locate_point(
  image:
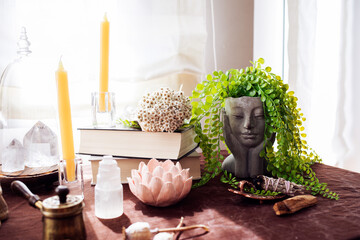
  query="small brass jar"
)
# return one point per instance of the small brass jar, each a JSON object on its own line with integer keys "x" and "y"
{"x": 62, "y": 216}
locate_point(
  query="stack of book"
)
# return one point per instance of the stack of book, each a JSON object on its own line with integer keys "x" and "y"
{"x": 192, "y": 161}
{"x": 131, "y": 146}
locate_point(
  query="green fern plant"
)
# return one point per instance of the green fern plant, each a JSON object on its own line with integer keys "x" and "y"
{"x": 291, "y": 159}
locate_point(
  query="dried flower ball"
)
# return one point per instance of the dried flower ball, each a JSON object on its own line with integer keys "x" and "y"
{"x": 163, "y": 111}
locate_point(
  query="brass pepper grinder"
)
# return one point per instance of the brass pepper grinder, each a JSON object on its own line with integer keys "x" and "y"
{"x": 62, "y": 214}
{"x": 4, "y": 213}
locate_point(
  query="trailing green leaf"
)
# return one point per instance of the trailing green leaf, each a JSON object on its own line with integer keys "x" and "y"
{"x": 292, "y": 158}
{"x": 229, "y": 179}
{"x": 261, "y": 192}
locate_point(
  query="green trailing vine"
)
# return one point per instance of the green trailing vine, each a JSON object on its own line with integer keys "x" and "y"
{"x": 291, "y": 159}
{"x": 228, "y": 178}
{"x": 262, "y": 192}
{"x": 233, "y": 182}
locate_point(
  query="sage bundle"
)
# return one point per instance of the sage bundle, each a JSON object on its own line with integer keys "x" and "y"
{"x": 278, "y": 185}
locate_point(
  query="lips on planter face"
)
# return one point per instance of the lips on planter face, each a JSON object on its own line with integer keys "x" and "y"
{"x": 247, "y": 121}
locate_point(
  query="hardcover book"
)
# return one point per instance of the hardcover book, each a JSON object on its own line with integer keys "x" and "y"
{"x": 191, "y": 161}
{"x": 134, "y": 143}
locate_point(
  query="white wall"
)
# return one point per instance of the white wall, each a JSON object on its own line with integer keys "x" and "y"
{"x": 234, "y": 23}
{"x": 233, "y": 34}
{"x": 268, "y": 33}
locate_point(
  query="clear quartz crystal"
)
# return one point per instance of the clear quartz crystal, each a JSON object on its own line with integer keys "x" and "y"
{"x": 41, "y": 146}
{"x": 108, "y": 190}
{"x": 13, "y": 157}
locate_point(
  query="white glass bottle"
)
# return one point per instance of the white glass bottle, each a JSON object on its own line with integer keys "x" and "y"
{"x": 108, "y": 190}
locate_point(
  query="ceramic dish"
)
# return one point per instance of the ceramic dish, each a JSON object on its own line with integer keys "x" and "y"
{"x": 242, "y": 192}
{"x": 30, "y": 176}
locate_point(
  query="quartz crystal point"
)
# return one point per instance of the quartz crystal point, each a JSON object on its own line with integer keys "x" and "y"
{"x": 13, "y": 157}
{"x": 41, "y": 146}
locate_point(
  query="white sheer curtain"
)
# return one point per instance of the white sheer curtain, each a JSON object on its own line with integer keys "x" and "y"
{"x": 153, "y": 43}
{"x": 323, "y": 46}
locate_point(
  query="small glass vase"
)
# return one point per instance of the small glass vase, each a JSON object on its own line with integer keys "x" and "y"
{"x": 72, "y": 177}
{"x": 103, "y": 109}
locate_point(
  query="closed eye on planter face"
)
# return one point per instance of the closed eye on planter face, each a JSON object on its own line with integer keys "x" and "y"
{"x": 259, "y": 117}
{"x": 258, "y": 111}
{"x": 238, "y": 116}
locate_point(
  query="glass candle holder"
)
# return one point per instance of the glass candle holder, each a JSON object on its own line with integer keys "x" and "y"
{"x": 72, "y": 176}
{"x": 103, "y": 109}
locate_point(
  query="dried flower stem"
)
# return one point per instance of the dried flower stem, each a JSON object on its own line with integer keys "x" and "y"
{"x": 179, "y": 229}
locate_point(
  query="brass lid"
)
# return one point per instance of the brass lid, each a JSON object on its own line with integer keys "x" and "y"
{"x": 62, "y": 205}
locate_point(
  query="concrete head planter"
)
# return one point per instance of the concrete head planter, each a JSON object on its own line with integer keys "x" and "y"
{"x": 258, "y": 108}
{"x": 243, "y": 130}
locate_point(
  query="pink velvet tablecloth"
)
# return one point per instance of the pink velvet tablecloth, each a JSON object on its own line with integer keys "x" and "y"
{"x": 229, "y": 216}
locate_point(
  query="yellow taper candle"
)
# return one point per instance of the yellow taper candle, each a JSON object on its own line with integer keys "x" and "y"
{"x": 67, "y": 140}
{"x": 104, "y": 61}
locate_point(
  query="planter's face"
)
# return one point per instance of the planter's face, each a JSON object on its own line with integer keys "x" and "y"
{"x": 246, "y": 118}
